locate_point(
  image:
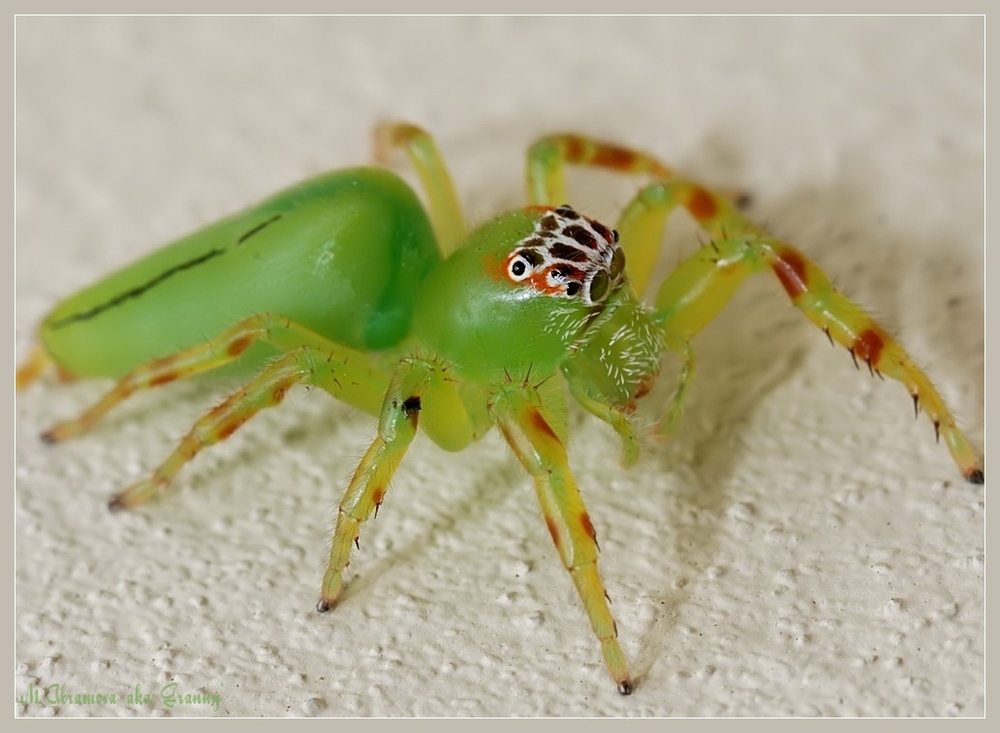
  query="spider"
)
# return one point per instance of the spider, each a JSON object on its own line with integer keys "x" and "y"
{"x": 344, "y": 282}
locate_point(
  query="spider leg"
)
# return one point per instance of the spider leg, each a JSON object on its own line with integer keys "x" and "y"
{"x": 307, "y": 358}
{"x": 33, "y": 367}
{"x": 531, "y": 428}
{"x": 366, "y": 386}
{"x": 697, "y": 290}
{"x": 613, "y": 416}
{"x": 305, "y": 364}
{"x": 641, "y": 230}
{"x": 445, "y": 211}
{"x": 548, "y": 156}
{"x": 397, "y": 425}
{"x": 668, "y": 424}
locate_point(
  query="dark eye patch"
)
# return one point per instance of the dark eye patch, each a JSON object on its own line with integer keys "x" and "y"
{"x": 617, "y": 263}
{"x": 533, "y": 257}
{"x": 567, "y": 252}
{"x": 599, "y": 286}
{"x": 601, "y": 229}
{"x": 581, "y": 235}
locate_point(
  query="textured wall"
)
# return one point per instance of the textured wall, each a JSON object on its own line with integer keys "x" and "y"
{"x": 802, "y": 546}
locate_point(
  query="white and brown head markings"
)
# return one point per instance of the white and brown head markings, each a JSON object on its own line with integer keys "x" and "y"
{"x": 569, "y": 255}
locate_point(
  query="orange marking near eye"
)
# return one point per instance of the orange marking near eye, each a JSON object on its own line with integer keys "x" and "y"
{"x": 540, "y": 282}
{"x": 610, "y": 156}
{"x": 701, "y": 204}
{"x": 791, "y": 271}
{"x": 240, "y": 345}
{"x": 869, "y": 346}
{"x": 496, "y": 268}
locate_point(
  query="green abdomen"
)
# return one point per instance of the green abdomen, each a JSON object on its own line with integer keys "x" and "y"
{"x": 343, "y": 254}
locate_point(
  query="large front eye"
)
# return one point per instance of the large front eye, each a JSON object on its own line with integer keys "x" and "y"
{"x": 519, "y": 268}
{"x": 599, "y": 285}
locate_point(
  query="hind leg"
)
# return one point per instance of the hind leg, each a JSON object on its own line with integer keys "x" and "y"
{"x": 445, "y": 211}
{"x": 306, "y": 364}
{"x": 280, "y": 332}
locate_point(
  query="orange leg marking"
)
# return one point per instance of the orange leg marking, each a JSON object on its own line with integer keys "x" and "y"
{"x": 701, "y": 204}
{"x": 240, "y": 344}
{"x": 791, "y": 271}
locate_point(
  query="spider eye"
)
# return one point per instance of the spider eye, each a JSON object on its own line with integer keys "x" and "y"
{"x": 599, "y": 285}
{"x": 617, "y": 263}
{"x": 518, "y": 268}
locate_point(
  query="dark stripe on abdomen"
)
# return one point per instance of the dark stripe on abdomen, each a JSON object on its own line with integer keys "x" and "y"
{"x": 134, "y": 292}
{"x": 257, "y": 228}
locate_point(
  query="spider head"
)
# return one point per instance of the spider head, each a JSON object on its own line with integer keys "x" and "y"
{"x": 525, "y": 289}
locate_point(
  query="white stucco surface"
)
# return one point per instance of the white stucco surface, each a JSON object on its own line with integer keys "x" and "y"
{"x": 802, "y": 547}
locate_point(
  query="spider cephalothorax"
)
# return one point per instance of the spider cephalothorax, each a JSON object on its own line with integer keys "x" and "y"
{"x": 569, "y": 255}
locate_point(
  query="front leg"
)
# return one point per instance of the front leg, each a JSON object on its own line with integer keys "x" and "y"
{"x": 531, "y": 430}
{"x": 701, "y": 286}
{"x": 616, "y": 417}
{"x": 397, "y": 425}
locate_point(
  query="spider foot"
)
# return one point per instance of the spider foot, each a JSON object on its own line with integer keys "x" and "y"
{"x": 61, "y": 431}
{"x": 136, "y": 494}
{"x": 329, "y": 593}
{"x": 323, "y": 605}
